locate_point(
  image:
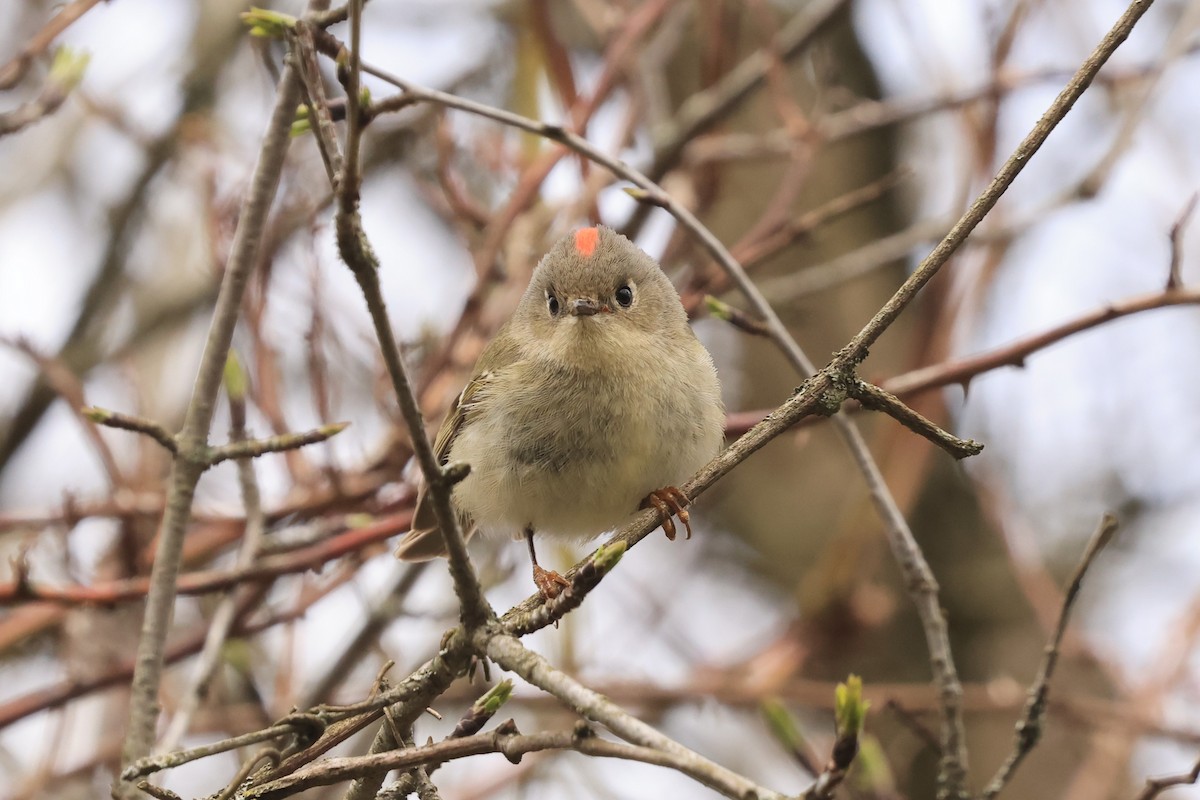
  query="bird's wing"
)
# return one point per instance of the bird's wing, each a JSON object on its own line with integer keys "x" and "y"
{"x": 459, "y": 411}
{"x": 424, "y": 540}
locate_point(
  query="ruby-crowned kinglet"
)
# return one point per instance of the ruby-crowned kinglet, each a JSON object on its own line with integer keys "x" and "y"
{"x": 594, "y": 398}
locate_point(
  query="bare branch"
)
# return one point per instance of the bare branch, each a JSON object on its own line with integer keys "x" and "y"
{"x": 358, "y": 255}
{"x": 877, "y": 399}
{"x": 15, "y": 69}
{"x": 1174, "y": 279}
{"x": 129, "y": 422}
{"x": 225, "y": 614}
{"x": 65, "y": 74}
{"x": 1014, "y": 355}
{"x": 192, "y": 440}
{"x": 856, "y": 350}
{"x": 253, "y": 448}
{"x": 208, "y": 581}
{"x": 505, "y": 740}
{"x": 508, "y": 652}
{"x": 1029, "y": 728}
{"x": 1156, "y": 786}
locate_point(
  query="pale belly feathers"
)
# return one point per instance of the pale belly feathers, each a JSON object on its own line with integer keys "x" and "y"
{"x": 571, "y": 455}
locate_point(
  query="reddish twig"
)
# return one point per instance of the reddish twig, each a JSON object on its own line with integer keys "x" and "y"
{"x": 964, "y": 370}
{"x": 207, "y": 581}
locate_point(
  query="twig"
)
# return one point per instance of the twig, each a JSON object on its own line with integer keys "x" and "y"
{"x": 210, "y": 457}
{"x": 381, "y": 615}
{"x": 407, "y": 701}
{"x": 1174, "y": 278}
{"x": 252, "y": 448}
{"x": 964, "y": 370}
{"x": 307, "y": 725}
{"x": 62, "y": 380}
{"x": 702, "y": 109}
{"x": 1029, "y": 728}
{"x": 19, "y": 64}
{"x": 755, "y": 252}
{"x": 472, "y": 722}
{"x": 65, "y": 74}
{"x": 159, "y": 792}
{"x": 923, "y": 590}
{"x": 64, "y": 691}
{"x": 1156, "y": 786}
{"x": 861, "y": 261}
{"x": 909, "y": 720}
{"x": 129, "y": 422}
{"x": 877, "y": 399}
{"x": 83, "y": 348}
{"x": 270, "y": 755}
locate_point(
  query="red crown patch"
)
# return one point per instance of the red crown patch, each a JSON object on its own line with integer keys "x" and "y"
{"x": 586, "y": 240}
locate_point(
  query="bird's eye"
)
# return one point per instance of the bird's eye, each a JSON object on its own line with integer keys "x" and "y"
{"x": 624, "y": 297}
{"x": 552, "y": 304}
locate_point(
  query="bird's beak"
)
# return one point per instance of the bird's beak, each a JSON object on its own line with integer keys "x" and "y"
{"x": 585, "y": 307}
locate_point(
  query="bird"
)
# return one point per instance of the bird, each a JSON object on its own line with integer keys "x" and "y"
{"x": 594, "y": 400}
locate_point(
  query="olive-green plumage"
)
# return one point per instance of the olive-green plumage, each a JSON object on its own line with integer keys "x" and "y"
{"x": 595, "y": 394}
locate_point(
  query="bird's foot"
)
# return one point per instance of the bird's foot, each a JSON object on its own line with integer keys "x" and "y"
{"x": 669, "y": 501}
{"x": 549, "y": 582}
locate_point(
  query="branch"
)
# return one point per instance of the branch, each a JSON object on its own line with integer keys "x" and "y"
{"x": 877, "y": 399}
{"x": 1156, "y": 786}
{"x": 405, "y": 702}
{"x": 143, "y": 709}
{"x": 1029, "y": 728}
{"x": 130, "y": 422}
{"x": 856, "y": 350}
{"x": 582, "y": 579}
{"x": 64, "y": 691}
{"x": 510, "y": 654}
{"x": 223, "y": 617}
{"x": 15, "y": 69}
{"x": 701, "y": 110}
{"x": 252, "y": 448}
{"x": 207, "y": 581}
{"x": 1014, "y": 355}
{"x": 506, "y": 739}
{"x": 306, "y": 726}
{"x": 65, "y": 74}
{"x": 358, "y": 255}
{"x": 964, "y": 370}
{"x": 1174, "y": 276}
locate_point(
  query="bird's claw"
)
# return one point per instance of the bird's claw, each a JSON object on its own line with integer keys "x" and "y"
{"x": 549, "y": 582}
{"x": 669, "y": 501}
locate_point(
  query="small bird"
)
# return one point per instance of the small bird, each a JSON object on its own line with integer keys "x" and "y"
{"x": 595, "y": 399}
